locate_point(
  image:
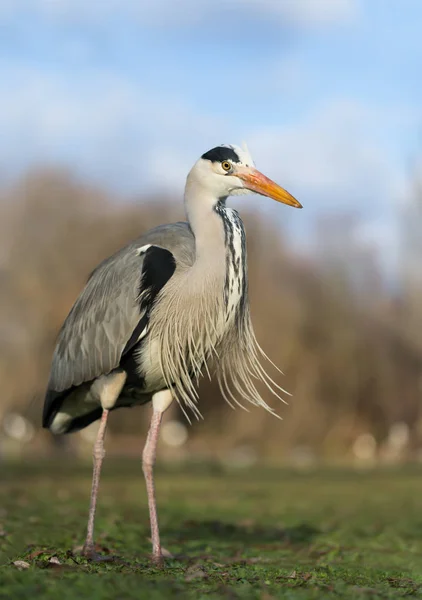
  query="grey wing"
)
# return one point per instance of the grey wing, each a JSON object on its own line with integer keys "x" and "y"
{"x": 108, "y": 316}
{"x": 100, "y": 323}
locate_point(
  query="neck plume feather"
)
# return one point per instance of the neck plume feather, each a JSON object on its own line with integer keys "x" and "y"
{"x": 212, "y": 333}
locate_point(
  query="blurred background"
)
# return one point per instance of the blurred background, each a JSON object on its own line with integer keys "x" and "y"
{"x": 105, "y": 106}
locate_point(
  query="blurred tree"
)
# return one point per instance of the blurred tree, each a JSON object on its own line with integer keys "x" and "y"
{"x": 349, "y": 346}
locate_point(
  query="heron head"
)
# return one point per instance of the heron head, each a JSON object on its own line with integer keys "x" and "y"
{"x": 230, "y": 170}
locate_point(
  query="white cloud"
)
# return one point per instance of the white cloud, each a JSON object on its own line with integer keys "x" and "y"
{"x": 114, "y": 131}
{"x": 335, "y": 152}
{"x": 110, "y": 127}
{"x": 335, "y": 160}
{"x": 287, "y": 75}
{"x": 169, "y": 12}
{"x": 104, "y": 126}
{"x": 311, "y": 12}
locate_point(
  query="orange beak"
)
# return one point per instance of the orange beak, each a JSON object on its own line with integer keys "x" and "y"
{"x": 257, "y": 182}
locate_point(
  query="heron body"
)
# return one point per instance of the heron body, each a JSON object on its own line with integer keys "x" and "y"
{"x": 156, "y": 315}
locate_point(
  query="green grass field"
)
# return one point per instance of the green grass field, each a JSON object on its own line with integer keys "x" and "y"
{"x": 239, "y": 534}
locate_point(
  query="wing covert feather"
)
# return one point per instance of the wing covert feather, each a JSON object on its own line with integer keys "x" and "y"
{"x": 105, "y": 319}
{"x": 93, "y": 336}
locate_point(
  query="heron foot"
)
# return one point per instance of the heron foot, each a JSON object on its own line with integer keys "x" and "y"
{"x": 157, "y": 560}
{"x": 88, "y": 551}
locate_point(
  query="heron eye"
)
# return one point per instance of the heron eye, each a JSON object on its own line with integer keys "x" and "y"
{"x": 226, "y": 165}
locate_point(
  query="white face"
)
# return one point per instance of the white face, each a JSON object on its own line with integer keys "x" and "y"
{"x": 230, "y": 170}
{"x": 219, "y": 173}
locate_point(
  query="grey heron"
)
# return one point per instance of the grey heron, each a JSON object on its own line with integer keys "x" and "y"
{"x": 158, "y": 313}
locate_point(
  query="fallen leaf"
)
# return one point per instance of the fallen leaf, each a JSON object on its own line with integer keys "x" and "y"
{"x": 35, "y": 553}
{"x": 21, "y": 564}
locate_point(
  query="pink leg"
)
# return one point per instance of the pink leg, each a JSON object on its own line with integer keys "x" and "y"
{"x": 99, "y": 453}
{"x": 148, "y": 460}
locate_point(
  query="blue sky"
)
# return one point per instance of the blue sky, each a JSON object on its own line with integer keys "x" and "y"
{"x": 129, "y": 93}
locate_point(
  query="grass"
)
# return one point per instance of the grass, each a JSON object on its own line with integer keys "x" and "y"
{"x": 260, "y": 534}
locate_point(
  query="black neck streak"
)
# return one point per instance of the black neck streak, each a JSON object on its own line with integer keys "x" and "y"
{"x": 235, "y": 286}
{"x": 221, "y": 205}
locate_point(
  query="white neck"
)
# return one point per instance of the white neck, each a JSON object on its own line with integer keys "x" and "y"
{"x": 219, "y": 244}
{"x": 206, "y": 224}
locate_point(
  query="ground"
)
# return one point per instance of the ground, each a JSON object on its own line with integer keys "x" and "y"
{"x": 258, "y": 534}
